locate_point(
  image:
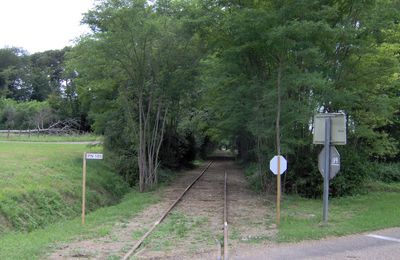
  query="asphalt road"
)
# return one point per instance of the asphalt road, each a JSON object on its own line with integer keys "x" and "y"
{"x": 382, "y": 244}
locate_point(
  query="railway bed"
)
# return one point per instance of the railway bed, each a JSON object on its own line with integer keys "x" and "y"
{"x": 204, "y": 185}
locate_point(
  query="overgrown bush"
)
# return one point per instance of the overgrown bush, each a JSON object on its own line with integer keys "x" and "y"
{"x": 386, "y": 172}
{"x": 354, "y": 171}
{"x": 253, "y": 177}
{"x": 303, "y": 176}
{"x": 120, "y": 149}
{"x": 178, "y": 150}
{"x": 206, "y": 147}
{"x": 25, "y": 115}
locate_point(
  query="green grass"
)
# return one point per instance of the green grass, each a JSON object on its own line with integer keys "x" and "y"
{"x": 175, "y": 228}
{"x": 380, "y": 186}
{"x": 198, "y": 162}
{"x": 41, "y": 184}
{"x": 302, "y": 218}
{"x": 49, "y": 138}
{"x": 34, "y": 245}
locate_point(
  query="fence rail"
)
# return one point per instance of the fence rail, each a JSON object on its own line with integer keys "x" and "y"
{"x": 44, "y": 131}
{"x": 23, "y": 131}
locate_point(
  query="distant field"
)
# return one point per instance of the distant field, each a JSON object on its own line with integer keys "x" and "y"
{"x": 49, "y": 138}
{"x": 41, "y": 184}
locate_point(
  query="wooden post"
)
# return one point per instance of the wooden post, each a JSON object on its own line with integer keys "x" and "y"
{"x": 278, "y": 143}
{"x": 278, "y": 193}
{"x": 84, "y": 188}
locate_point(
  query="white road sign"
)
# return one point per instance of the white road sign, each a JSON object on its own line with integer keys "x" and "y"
{"x": 338, "y": 128}
{"x": 273, "y": 164}
{"x": 334, "y": 159}
{"x": 94, "y": 156}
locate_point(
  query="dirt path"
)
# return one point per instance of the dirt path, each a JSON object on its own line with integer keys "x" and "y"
{"x": 193, "y": 227}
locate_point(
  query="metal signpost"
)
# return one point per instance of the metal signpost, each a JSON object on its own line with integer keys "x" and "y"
{"x": 278, "y": 165}
{"x": 333, "y": 127}
{"x": 327, "y": 147}
{"x": 87, "y": 156}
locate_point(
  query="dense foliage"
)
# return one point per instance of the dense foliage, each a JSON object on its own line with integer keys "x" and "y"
{"x": 166, "y": 80}
{"x": 36, "y": 90}
{"x": 326, "y": 56}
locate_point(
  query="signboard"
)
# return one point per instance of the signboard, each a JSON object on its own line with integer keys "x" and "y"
{"x": 273, "y": 164}
{"x": 94, "y": 156}
{"x": 334, "y": 162}
{"x": 87, "y": 156}
{"x": 338, "y": 128}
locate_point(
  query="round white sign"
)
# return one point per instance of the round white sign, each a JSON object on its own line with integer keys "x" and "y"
{"x": 273, "y": 164}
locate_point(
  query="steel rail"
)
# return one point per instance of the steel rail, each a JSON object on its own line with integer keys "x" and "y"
{"x": 140, "y": 242}
{"x": 225, "y": 220}
{"x": 219, "y": 256}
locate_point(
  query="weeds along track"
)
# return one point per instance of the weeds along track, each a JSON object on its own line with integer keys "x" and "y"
{"x": 207, "y": 192}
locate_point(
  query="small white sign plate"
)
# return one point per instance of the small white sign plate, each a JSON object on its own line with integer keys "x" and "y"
{"x": 338, "y": 128}
{"x": 94, "y": 156}
{"x": 273, "y": 164}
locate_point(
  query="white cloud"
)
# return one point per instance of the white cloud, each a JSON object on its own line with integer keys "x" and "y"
{"x": 39, "y": 25}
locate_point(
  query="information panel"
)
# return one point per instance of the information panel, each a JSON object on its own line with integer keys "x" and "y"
{"x": 338, "y": 128}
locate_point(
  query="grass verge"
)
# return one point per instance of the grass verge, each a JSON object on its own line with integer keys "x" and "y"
{"x": 36, "y": 244}
{"x": 41, "y": 184}
{"x": 302, "y": 218}
{"x": 177, "y": 228}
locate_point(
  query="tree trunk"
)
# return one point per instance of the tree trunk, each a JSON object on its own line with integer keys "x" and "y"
{"x": 151, "y": 134}
{"x": 278, "y": 109}
{"x": 141, "y": 157}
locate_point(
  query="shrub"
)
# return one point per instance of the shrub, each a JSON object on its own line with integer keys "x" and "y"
{"x": 253, "y": 176}
{"x": 386, "y": 172}
{"x": 304, "y": 178}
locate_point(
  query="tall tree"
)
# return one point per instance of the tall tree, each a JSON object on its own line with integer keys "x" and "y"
{"x": 144, "y": 53}
{"x": 325, "y": 57}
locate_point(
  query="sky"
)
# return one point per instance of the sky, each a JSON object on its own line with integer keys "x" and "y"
{"x": 40, "y": 25}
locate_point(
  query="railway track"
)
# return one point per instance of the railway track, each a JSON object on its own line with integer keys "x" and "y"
{"x": 202, "y": 183}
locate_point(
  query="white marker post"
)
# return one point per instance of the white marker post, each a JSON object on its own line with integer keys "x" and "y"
{"x": 87, "y": 156}
{"x": 84, "y": 188}
{"x": 278, "y": 194}
{"x": 278, "y": 166}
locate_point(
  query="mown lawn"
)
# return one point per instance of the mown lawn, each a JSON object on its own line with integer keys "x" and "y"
{"x": 302, "y": 218}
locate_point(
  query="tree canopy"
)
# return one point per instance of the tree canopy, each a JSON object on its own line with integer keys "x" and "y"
{"x": 167, "y": 79}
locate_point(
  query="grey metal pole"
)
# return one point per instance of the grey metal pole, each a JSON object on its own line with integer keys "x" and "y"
{"x": 327, "y": 147}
